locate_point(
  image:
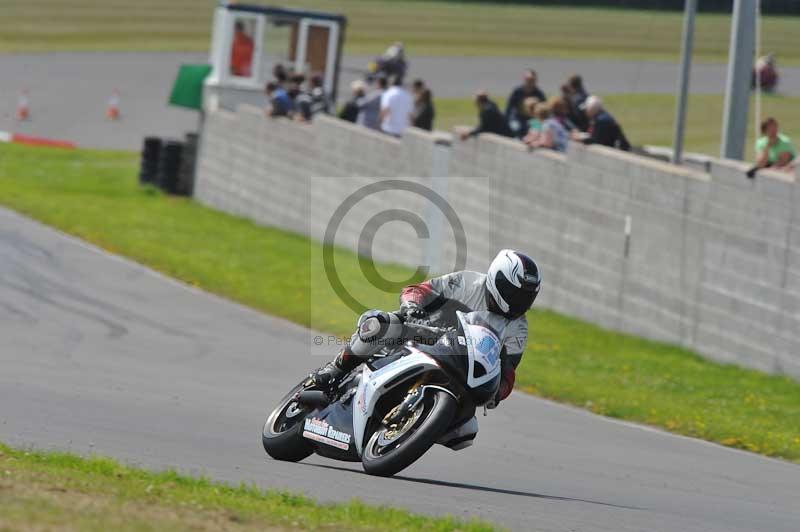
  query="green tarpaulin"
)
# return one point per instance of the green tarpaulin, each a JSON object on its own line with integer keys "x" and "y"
{"x": 188, "y": 88}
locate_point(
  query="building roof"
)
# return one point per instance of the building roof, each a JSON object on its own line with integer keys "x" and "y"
{"x": 285, "y": 12}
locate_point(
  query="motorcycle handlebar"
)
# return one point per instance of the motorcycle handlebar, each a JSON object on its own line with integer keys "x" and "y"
{"x": 424, "y": 327}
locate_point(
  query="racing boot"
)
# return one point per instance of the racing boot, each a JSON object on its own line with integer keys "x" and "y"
{"x": 329, "y": 375}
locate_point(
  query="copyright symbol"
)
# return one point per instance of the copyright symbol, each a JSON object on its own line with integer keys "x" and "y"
{"x": 371, "y": 227}
{"x": 318, "y": 340}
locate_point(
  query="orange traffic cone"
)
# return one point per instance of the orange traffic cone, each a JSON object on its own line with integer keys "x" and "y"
{"x": 112, "y": 111}
{"x": 23, "y": 106}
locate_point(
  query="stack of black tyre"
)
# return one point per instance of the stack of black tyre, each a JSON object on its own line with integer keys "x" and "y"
{"x": 186, "y": 174}
{"x": 151, "y": 154}
{"x": 169, "y": 164}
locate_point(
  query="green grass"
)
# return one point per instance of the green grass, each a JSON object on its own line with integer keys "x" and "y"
{"x": 428, "y": 28}
{"x": 48, "y": 491}
{"x": 94, "y": 195}
{"x": 649, "y": 118}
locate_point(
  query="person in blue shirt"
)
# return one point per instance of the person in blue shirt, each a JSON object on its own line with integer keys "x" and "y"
{"x": 279, "y": 102}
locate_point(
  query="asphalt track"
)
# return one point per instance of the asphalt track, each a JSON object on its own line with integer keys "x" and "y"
{"x": 101, "y": 355}
{"x": 69, "y": 91}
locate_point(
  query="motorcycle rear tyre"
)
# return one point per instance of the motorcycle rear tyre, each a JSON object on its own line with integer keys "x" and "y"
{"x": 288, "y": 445}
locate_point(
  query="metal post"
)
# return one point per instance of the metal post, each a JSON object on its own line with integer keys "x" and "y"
{"x": 683, "y": 82}
{"x": 740, "y": 71}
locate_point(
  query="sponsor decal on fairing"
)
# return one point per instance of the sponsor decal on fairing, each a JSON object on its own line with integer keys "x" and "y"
{"x": 320, "y": 431}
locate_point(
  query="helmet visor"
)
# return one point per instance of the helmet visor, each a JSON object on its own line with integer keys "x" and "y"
{"x": 519, "y": 299}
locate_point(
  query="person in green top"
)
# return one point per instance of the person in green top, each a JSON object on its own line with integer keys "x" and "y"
{"x": 774, "y": 149}
{"x": 530, "y": 103}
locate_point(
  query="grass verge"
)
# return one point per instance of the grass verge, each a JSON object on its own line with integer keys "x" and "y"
{"x": 649, "y": 118}
{"x": 94, "y": 195}
{"x": 427, "y": 28}
{"x": 50, "y": 491}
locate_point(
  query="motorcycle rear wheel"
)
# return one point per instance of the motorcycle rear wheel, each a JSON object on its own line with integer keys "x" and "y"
{"x": 282, "y": 436}
{"x": 388, "y": 452}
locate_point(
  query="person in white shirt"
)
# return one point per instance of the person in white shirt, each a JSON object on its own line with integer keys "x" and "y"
{"x": 396, "y": 108}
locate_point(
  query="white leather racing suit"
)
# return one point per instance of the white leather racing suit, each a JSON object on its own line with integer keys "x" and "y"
{"x": 465, "y": 289}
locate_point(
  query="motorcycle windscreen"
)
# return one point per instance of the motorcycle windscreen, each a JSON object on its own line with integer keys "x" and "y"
{"x": 483, "y": 352}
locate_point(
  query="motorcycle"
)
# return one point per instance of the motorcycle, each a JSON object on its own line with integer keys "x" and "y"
{"x": 392, "y": 64}
{"x": 392, "y": 409}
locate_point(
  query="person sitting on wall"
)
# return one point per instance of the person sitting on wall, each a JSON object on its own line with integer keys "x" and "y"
{"x": 534, "y": 122}
{"x": 241, "y": 51}
{"x": 490, "y": 119}
{"x": 540, "y": 112}
{"x": 278, "y": 101}
{"x": 554, "y": 135}
{"x": 295, "y": 87}
{"x": 773, "y": 148}
{"x": 603, "y": 128}
{"x": 308, "y": 104}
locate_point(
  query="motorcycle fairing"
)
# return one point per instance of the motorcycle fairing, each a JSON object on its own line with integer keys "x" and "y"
{"x": 483, "y": 349}
{"x": 374, "y": 384}
{"x": 330, "y": 442}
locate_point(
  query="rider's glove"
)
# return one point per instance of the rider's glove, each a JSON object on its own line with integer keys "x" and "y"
{"x": 412, "y": 310}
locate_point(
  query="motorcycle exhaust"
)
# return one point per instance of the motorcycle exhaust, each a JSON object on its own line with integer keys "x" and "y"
{"x": 313, "y": 398}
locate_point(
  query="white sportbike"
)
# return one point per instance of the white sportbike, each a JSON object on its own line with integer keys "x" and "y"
{"x": 389, "y": 411}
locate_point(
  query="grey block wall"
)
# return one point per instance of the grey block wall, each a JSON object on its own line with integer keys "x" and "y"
{"x": 711, "y": 262}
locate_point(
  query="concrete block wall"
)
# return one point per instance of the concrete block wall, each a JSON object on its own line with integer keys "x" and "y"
{"x": 710, "y": 261}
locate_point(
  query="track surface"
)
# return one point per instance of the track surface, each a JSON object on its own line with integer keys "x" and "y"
{"x": 69, "y": 91}
{"x": 102, "y": 355}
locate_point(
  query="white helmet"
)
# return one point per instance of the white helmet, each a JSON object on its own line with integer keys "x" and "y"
{"x": 512, "y": 284}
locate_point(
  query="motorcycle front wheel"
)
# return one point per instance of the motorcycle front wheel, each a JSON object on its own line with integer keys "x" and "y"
{"x": 282, "y": 436}
{"x": 389, "y": 450}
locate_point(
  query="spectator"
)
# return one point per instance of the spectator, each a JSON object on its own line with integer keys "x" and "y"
{"x": 554, "y": 135}
{"x": 490, "y": 119}
{"x": 349, "y": 111}
{"x": 423, "y": 113}
{"x": 603, "y": 129}
{"x": 369, "y": 106}
{"x": 540, "y": 112}
{"x": 279, "y": 103}
{"x": 577, "y": 96}
{"x": 396, "y": 108}
{"x": 320, "y": 103}
{"x": 559, "y": 109}
{"x": 241, "y": 51}
{"x": 515, "y": 113}
{"x": 301, "y": 100}
{"x": 280, "y": 75}
{"x": 773, "y": 148}
{"x": 766, "y": 72}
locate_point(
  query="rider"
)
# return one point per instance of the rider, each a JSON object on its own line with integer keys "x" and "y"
{"x": 508, "y": 290}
